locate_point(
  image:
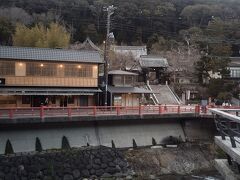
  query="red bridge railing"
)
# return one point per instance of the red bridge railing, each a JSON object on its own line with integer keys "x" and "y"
{"x": 42, "y": 112}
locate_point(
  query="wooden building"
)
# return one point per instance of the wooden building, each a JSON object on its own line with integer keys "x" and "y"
{"x": 122, "y": 89}
{"x": 153, "y": 68}
{"x": 31, "y": 77}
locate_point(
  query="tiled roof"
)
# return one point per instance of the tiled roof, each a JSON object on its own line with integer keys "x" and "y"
{"x": 120, "y": 72}
{"x": 46, "y": 54}
{"x": 46, "y": 91}
{"x": 129, "y": 47}
{"x": 153, "y": 61}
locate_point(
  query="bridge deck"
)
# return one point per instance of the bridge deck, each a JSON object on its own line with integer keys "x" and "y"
{"x": 226, "y": 146}
{"x": 223, "y": 168}
{"x": 45, "y": 112}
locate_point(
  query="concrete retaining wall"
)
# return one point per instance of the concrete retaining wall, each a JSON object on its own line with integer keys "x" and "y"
{"x": 94, "y": 133}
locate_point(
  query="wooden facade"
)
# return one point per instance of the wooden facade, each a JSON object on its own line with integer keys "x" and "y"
{"x": 126, "y": 99}
{"x": 49, "y": 74}
{"x": 123, "y": 90}
{"x": 33, "y": 77}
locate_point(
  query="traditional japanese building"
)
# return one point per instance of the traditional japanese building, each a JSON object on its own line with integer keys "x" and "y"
{"x": 153, "y": 68}
{"x": 135, "y": 51}
{"x": 123, "y": 90}
{"x": 31, "y": 77}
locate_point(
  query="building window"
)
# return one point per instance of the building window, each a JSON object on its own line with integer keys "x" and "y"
{"x": 7, "y": 68}
{"x": 128, "y": 80}
{"x": 40, "y": 69}
{"x": 118, "y": 80}
{"x": 47, "y": 69}
{"x": 78, "y": 70}
{"x": 59, "y": 70}
{"x": 26, "y": 99}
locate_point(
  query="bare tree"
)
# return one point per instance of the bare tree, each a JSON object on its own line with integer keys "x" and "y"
{"x": 122, "y": 61}
{"x": 182, "y": 60}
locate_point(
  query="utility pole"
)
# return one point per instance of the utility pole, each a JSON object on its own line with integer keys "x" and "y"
{"x": 110, "y": 11}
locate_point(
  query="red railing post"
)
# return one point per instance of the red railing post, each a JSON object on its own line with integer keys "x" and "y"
{"x": 118, "y": 110}
{"x": 165, "y": 108}
{"x": 197, "y": 109}
{"x": 160, "y": 109}
{"x": 42, "y": 112}
{"x": 179, "y": 109}
{"x": 69, "y": 112}
{"x": 205, "y": 109}
{"x": 10, "y": 113}
{"x": 140, "y": 110}
{"x": 94, "y": 110}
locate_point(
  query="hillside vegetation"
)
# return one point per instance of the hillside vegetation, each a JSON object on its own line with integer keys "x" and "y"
{"x": 197, "y": 36}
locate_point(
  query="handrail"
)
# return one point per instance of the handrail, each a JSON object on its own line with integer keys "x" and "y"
{"x": 46, "y": 111}
{"x": 227, "y": 123}
{"x": 153, "y": 95}
{"x": 75, "y": 111}
{"x": 177, "y": 99}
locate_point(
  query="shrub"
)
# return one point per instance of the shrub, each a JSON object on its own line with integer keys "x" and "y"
{"x": 134, "y": 144}
{"x": 113, "y": 144}
{"x": 65, "y": 143}
{"x": 154, "y": 143}
{"x": 38, "y": 145}
{"x": 9, "y": 148}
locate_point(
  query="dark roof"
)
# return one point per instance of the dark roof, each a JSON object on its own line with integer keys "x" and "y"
{"x": 47, "y": 91}
{"x": 120, "y": 72}
{"x": 47, "y": 54}
{"x": 153, "y": 61}
{"x": 134, "y": 90}
{"x": 88, "y": 44}
{"x": 129, "y": 48}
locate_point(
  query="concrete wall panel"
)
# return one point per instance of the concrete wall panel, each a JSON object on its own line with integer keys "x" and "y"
{"x": 94, "y": 134}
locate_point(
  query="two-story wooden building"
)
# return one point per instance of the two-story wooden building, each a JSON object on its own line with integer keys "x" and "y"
{"x": 31, "y": 77}
{"x": 122, "y": 89}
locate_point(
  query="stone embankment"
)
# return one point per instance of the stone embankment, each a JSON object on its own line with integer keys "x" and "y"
{"x": 74, "y": 164}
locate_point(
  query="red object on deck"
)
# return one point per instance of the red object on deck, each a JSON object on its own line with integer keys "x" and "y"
{"x": 160, "y": 109}
{"x": 118, "y": 110}
{"x": 42, "y": 112}
{"x": 179, "y": 110}
{"x": 140, "y": 110}
{"x": 10, "y": 113}
{"x": 94, "y": 110}
{"x": 69, "y": 112}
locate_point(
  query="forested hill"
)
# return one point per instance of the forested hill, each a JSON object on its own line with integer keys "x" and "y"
{"x": 134, "y": 22}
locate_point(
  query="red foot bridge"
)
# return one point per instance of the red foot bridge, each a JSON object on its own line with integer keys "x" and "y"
{"x": 100, "y": 111}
